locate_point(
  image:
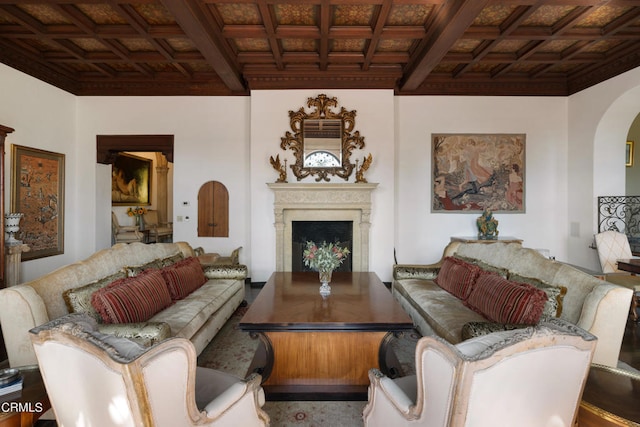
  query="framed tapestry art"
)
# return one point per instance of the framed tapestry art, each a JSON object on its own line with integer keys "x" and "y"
{"x": 474, "y": 172}
{"x": 37, "y": 191}
{"x": 131, "y": 180}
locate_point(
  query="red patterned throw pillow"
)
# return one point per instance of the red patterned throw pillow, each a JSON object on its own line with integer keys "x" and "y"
{"x": 132, "y": 299}
{"x": 183, "y": 277}
{"x": 504, "y": 301}
{"x": 457, "y": 277}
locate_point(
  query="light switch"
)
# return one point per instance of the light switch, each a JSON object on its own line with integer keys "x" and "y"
{"x": 574, "y": 229}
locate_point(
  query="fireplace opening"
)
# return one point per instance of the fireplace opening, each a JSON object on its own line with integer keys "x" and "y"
{"x": 340, "y": 232}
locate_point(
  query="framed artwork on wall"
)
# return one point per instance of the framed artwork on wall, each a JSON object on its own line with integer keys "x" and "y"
{"x": 37, "y": 191}
{"x": 629, "y": 154}
{"x": 474, "y": 172}
{"x": 131, "y": 180}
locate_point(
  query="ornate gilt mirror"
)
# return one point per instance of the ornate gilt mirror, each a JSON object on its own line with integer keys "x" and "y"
{"x": 322, "y": 140}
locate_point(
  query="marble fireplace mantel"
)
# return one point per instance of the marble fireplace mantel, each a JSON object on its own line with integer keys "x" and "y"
{"x": 322, "y": 202}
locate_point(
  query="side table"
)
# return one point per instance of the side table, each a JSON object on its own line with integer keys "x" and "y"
{"x": 610, "y": 398}
{"x": 208, "y": 259}
{"x": 145, "y": 236}
{"x": 23, "y": 408}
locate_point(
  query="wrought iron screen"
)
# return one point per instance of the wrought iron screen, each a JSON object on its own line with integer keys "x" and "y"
{"x": 621, "y": 213}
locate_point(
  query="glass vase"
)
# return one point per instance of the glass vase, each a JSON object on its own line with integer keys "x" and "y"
{"x": 325, "y": 278}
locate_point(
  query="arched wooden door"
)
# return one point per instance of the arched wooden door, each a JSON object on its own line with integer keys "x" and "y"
{"x": 213, "y": 210}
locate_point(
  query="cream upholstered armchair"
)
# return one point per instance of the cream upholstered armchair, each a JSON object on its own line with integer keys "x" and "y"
{"x": 99, "y": 379}
{"x": 158, "y": 231}
{"x": 612, "y": 246}
{"x": 124, "y": 234}
{"x": 532, "y": 377}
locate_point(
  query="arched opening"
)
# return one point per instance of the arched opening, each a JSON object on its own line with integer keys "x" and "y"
{"x": 632, "y": 169}
{"x": 616, "y": 208}
{"x": 609, "y": 170}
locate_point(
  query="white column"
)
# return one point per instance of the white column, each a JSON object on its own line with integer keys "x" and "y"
{"x": 162, "y": 171}
{"x": 13, "y": 258}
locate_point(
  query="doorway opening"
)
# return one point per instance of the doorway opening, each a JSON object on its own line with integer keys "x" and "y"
{"x": 157, "y": 150}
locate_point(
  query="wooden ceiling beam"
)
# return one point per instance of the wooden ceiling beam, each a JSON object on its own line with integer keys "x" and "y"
{"x": 613, "y": 27}
{"x": 325, "y": 25}
{"x": 86, "y": 25}
{"x": 454, "y": 17}
{"x": 564, "y": 24}
{"x": 59, "y": 42}
{"x": 190, "y": 18}
{"x": 378, "y": 28}
{"x": 626, "y": 49}
{"x": 270, "y": 33}
{"x": 511, "y": 23}
{"x": 142, "y": 29}
{"x": 250, "y": 31}
{"x": 46, "y": 71}
{"x": 620, "y": 60}
{"x": 24, "y": 19}
{"x": 564, "y": 57}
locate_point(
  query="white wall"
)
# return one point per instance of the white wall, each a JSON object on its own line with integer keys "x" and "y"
{"x": 211, "y": 142}
{"x": 269, "y": 122}
{"x": 575, "y": 152}
{"x": 43, "y": 117}
{"x": 599, "y": 120}
{"x": 422, "y": 235}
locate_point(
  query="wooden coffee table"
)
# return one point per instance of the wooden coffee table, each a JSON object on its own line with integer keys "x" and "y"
{"x": 315, "y": 348}
{"x": 611, "y": 398}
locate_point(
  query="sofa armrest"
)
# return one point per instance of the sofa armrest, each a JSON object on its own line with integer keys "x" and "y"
{"x": 604, "y": 314}
{"x": 416, "y": 271}
{"x": 144, "y": 333}
{"x": 21, "y": 309}
{"x": 236, "y": 271}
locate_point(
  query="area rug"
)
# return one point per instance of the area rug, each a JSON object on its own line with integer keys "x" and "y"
{"x": 232, "y": 351}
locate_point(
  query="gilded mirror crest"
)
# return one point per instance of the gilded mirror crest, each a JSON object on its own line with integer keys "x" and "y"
{"x": 322, "y": 140}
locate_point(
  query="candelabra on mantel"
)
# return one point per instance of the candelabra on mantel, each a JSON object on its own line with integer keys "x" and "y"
{"x": 14, "y": 248}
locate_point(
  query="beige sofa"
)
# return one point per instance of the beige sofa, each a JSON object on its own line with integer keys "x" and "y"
{"x": 197, "y": 317}
{"x": 594, "y": 305}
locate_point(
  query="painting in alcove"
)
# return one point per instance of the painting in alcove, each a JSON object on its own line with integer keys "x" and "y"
{"x": 474, "y": 172}
{"x": 131, "y": 180}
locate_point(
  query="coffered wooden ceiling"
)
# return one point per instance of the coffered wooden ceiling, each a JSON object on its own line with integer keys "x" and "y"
{"x": 225, "y": 47}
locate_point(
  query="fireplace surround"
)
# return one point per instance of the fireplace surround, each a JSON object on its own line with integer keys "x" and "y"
{"x": 322, "y": 202}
